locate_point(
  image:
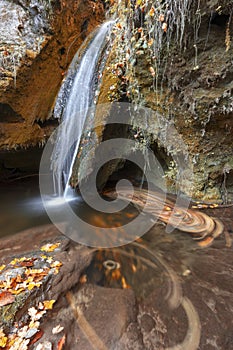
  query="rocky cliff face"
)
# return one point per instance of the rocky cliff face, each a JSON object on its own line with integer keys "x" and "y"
{"x": 176, "y": 59}
{"x": 196, "y": 94}
{"x": 38, "y": 40}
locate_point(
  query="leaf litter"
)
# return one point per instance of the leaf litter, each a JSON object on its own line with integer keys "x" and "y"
{"x": 21, "y": 276}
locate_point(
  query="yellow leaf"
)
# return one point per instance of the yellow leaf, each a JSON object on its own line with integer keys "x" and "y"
{"x": 139, "y": 2}
{"x": 3, "y": 341}
{"x": 13, "y": 262}
{"x": 2, "y": 267}
{"x": 48, "y": 304}
{"x": 33, "y": 271}
{"x": 23, "y": 259}
{"x": 17, "y": 291}
{"x": 31, "y": 286}
{"x": 56, "y": 264}
{"x": 152, "y": 11}
{"x": 49, "y": 247}
{"x": 34, "y": 324}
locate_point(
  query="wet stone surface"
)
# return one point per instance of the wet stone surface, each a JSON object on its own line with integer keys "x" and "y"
{"x": 164, "y": 292}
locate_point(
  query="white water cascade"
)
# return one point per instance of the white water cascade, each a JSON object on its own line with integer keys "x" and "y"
{"x": 79, "y": 100}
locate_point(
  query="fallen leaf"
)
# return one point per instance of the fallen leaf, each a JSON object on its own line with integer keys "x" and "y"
{"x": 34, "y": 324}
{"x": 3, "y": 339}
{"x": 40, "y": 306}
{"x": 83, "y": 279}
{"x": 33, "y": 271}
{"x": 151, "y": 69}
{"x": 152, "y": 11}
{"x": 164, "y": 27}
{"x": 6, "y": 298}
{"x": 36, "y": 337}
{"x": 3, "y": 342}
{"x": 124, "y": 284}
{"x": 44, "y": 346}
{"x": 30, "y": 333}
{"x": 61, "y": 343}
{"x": 139, "y": 2}
{"x": 2, "y": 267}
{"x": 57, "y": 329}
{"x": 17, "y": 291}
{"x": 161, "y": 17}
{"x": 27, "y": 263}
{"x": 13, "y": 262}
{"x": 2, "y": 334}
{"x": 150, "y": 42}
{"x": 32, "y": 312}
{"x": 22, "y": 332}
{"x": 33, "y": 285}
{"x": 119, "y": 26}
{"x": 48, "y": 304}
{"x": 44, "y": 257}
{"x": 11, "y": 340}
{"x": 49, "y": 247}
{"x": 116, "y": 275}
{"x": 56, "y": 264}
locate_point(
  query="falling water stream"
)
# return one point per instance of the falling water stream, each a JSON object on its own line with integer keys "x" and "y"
{"x": 79, "y": 101}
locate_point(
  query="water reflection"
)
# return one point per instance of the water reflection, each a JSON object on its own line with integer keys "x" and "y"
{"x": 184, "y": 293}
{"x": 20, "y": 206}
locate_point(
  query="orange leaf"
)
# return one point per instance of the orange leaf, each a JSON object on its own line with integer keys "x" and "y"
{"x": 161, "y": 17}
{"x": 150, "y": 42}
{"x": 6, "y": 298}
{"x": 28, "y": 263}
{"x": 61, "y": 343}
{"x": 37, "y": 336}
{"x": 83, "y": 279}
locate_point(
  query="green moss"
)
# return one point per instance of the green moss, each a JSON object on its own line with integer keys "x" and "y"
{"x": 8, "y": 312}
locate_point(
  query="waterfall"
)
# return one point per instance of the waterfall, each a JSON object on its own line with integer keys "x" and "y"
{"x": 80, "y": 98}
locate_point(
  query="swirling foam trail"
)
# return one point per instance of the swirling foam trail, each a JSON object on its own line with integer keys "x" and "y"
{"x": 201, "y": 226}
